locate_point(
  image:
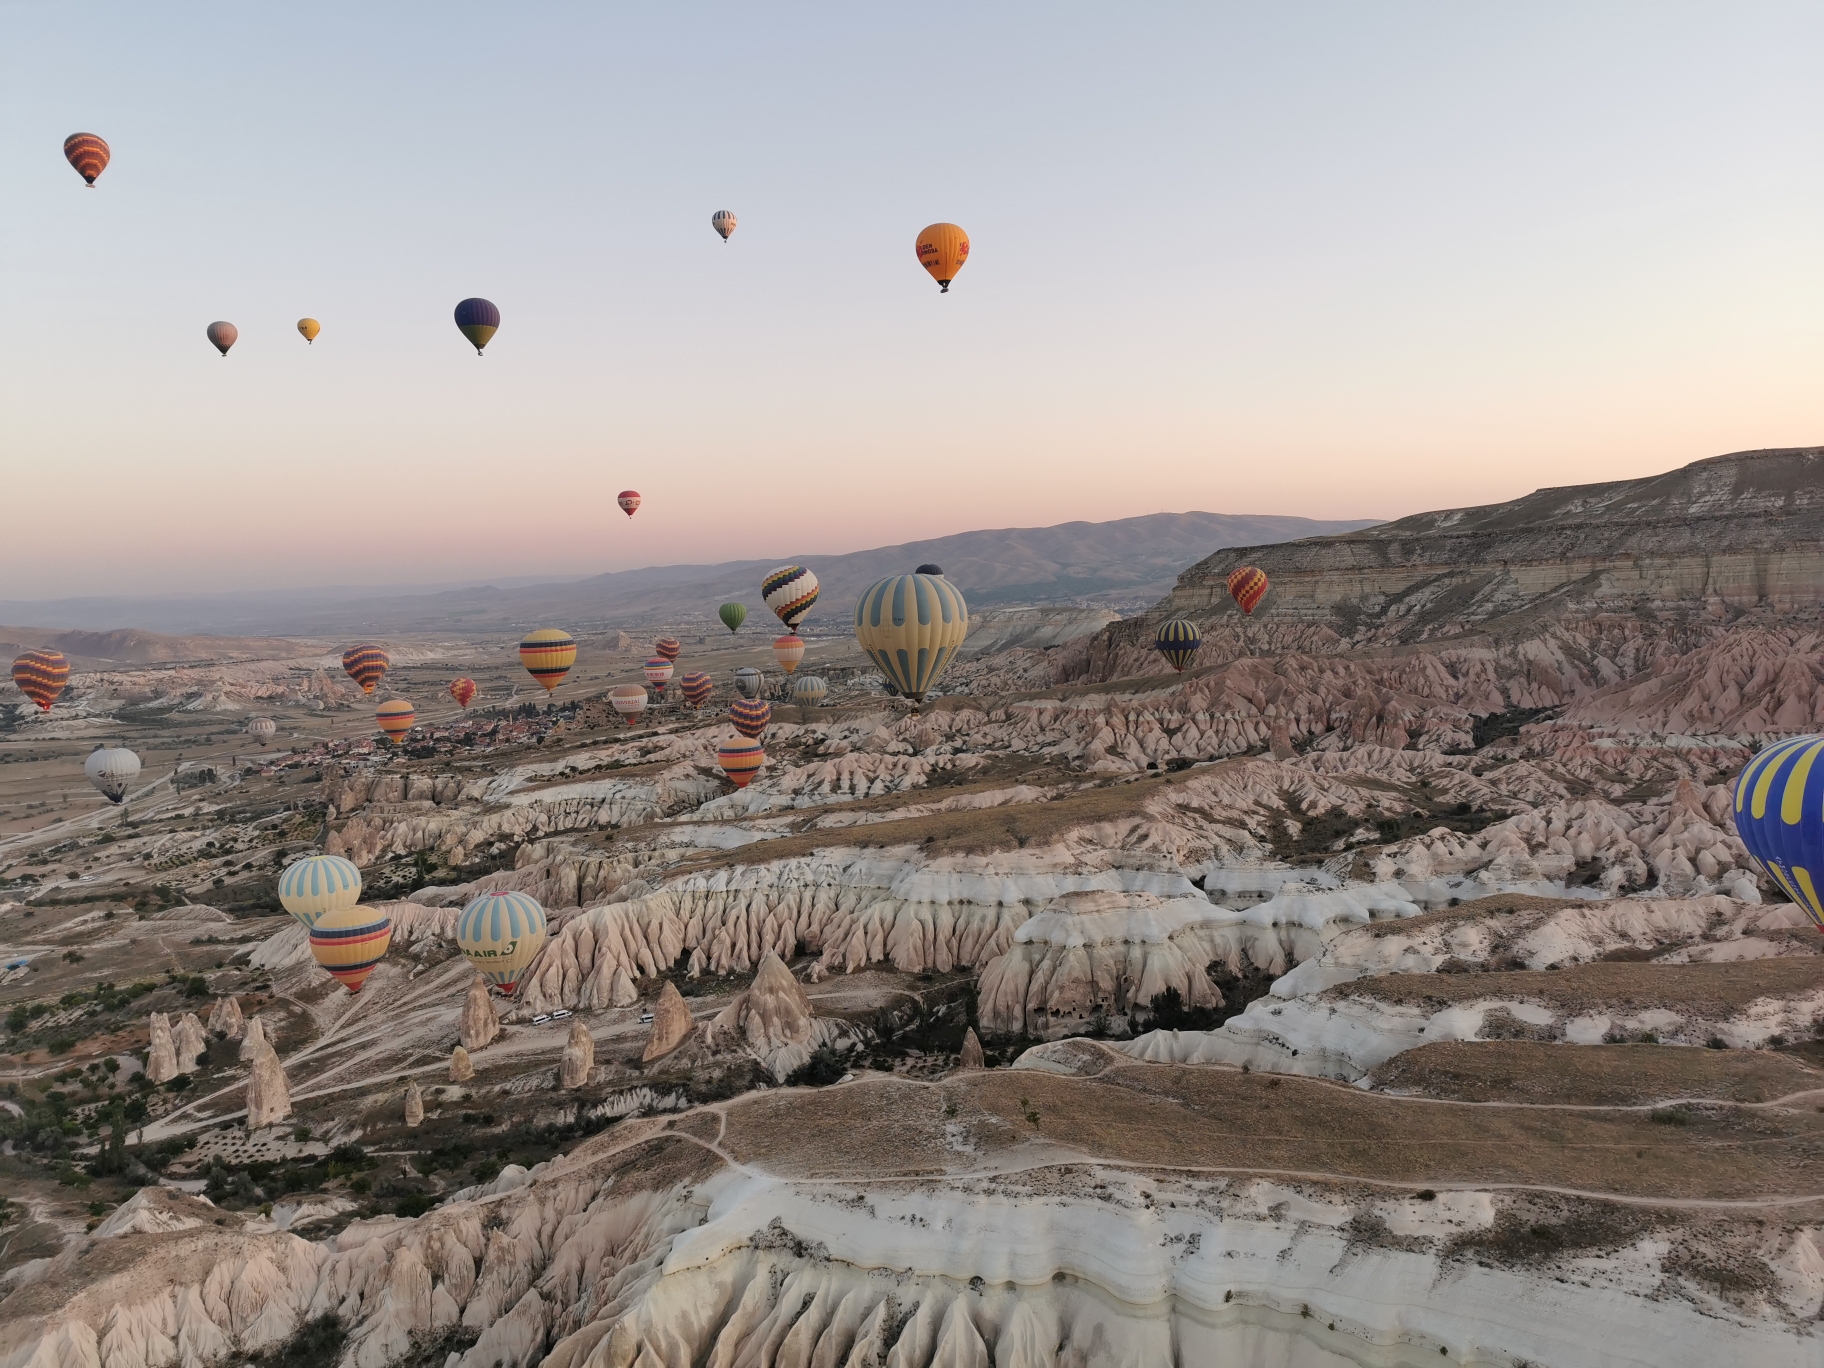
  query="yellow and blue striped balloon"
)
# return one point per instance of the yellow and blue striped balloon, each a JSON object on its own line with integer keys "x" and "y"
{"x": 1779, "y": 814}
{"x": 350, "y": 942}
{"x": 316, "y": 885}
{"x": 501, "y": 934}
{"x": 911, "y": 626}
{"x": 1178, "y": 640}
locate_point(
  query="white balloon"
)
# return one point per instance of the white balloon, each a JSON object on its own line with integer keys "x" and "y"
{"x": 112, "y": 770}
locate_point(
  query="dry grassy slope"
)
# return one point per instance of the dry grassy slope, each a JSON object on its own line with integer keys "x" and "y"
{"x": 1698, "y": 990}
{"x": 1593, "y": 1075}
{"x": 130, "y": 646}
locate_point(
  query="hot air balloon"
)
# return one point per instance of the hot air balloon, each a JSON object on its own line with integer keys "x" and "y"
{"x": 790, "y": 591}
{"x": 809, "y": 691}
{"x": 750, "y": 716}
{"x": 657, "y": 671}
{"x": 262, "y": 729}
{"x": 629, "y": 700}
{"x": 749, "y": 682}
{"x": 222, "y": 335}
{"x": 740, "y": 760}
{"x": 732, "y": 615}
{"x": 1247, "y": 586}
{"x": 310, "y": 328}
{"x": 1177, "y": 640}
{"x": 366, "y": 665}
{"x": 788, "y": 651}
{"x": 929, "y": 569}
{"x": 501, "y": 934}
{"x": 88, "y": 154}
{"x": 41, "y": 676}
{"x": 697, "y": 687}
{"x": 548, "y": 655}
{"x": 629, "y": 500}
{"x": 350, "y": 942}
{"x": 462, "y": 690}
{"x": 669, "y": 647}
{"x": 1779, "y": 814}
{"x": 477, "y": 320}
{"x": 112, "y": 770}
{"x": 942, "y": 250}
{"x": 395, "y": 717}
{"x": 723, "y": 222}
{"x": 317, "y": 885}
{"x": 912, "y": 626}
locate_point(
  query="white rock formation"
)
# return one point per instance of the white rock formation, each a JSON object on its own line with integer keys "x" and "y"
{"x": 161, "y": 1055}
{"x": 414, "y": 1105}
{"x": 225, "y": 1019}
{"x": 621, "y": 992}
{"x": 971, "y": 1057}
{"x": 773, "y": 1020}
{"x": 671, "y": 1024}
{"x": 579, "y": 1057}
{"x": 480, "y": 1022}
{"x": 189, "y": 1042}
{"x": 462, "y": 1068}
{"x": 268, "y": 1096}
{"x": 155, "y": 1211}
{"x": 253, "y": 1039}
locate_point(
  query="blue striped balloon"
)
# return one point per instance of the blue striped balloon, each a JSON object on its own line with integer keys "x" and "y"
{"x": 1779, "y": 814}
{"x": 317, "y": 885}
{"x": 501, "y": 934}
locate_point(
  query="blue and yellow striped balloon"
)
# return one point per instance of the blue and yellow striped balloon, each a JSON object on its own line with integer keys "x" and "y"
{"x": 1779, "y": 814}
{"x": 501, "y": 934}
{"x": 1178, "y": 640}
{"x": 316, "y": 885}
{"x": 911, "y": 626}
{"x": 350, "y": 942}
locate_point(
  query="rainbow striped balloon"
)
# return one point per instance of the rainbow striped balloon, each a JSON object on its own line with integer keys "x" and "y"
{"x": 548, "y": 655}
{"x": 366, "y": 665}
{"x": 349, "y": 943}
{"x": 790, "y": 591}
{"x": 750, "y": 716}
{"x": 697, "y": 687}
{"x": 1247, "y": 586}
{"x": 669, "y": 647}
{"x": 1178, "y": 640}
{"x": 41, "y": 676}
{"x": 317, "y": 885}
{"x": 88, "y": 154}
{"x": 501, "y": 934}
{"x": 657, "y": 671}
{"x": 1779, "y": 814}
{"x": 396, "y": 717}
{"x": 741, "y": 761}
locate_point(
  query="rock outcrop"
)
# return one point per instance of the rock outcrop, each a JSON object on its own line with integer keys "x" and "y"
{"x": 190, "y": 1042}
{"x": 971, "y": 1056}
{"x": 225, "y": 1019}
{"x": 253, "y": 1039}
{"x": 462, "y": 1068}
{"x": 480, "y": 1022}
{"x": 579, "y": 1057}
{"x": 773, "y": 1020}
{"x": 161, "y": 1055}
{"x": 671, "y": 1024}
{"x": 268, "y": 1095}
{"x": 414, "y": 1105}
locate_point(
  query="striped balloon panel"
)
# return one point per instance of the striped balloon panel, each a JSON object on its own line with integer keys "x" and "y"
{"x": 1247, "y": 586}
{"x": 395, "y": 717}
{"x": 478, "y": 320}
{"x": 788, "y": 651}
{"x": 366, "y": 665}
{"x": 912, "y": 626}
{"x": 657, "y": 671}
{"x": 750, "y": 716}
{"x": 942, "y": 250}
{"x": 41, "y": 676}
{"x": 790, "y": 591}
{"x": 808, "y": 691}
{"x": 669, "y": 647}
{"x": 501, "y": 934}
{"x": 723, "y": 222}
{"x": 222, "y": 336}
{"x": 262, "y": 727}
{"x": 548, "y": 655}
{"x": 629, "y": 500}
{"x": 462, "y": 690}
{"x": 316, "y": 885}
{"x": 1779, "y": 814}
{"x": 740, "y": 761}
{"x": 87, "y": 153}
{"x": 1178, "y": 640}
{"x": 350, "y": 943}
{"x": 697, "y": 687}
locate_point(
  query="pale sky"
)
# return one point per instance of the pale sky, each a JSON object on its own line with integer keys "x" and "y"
{"x": 1339, "y": 260}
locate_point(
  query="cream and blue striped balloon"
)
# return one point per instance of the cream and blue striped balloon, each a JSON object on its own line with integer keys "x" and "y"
{"x": 809, "y": 691}
{"x": 317, "y": 885}
{"x": 912, "y": 626}
{"x": 1779, "y": 814}
{"x": 501, "y": 934}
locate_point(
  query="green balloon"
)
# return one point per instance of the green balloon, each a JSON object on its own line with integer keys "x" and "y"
{"x": 732, "y": 615}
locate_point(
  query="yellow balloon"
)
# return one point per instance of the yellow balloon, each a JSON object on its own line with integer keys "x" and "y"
{"x": 310, "y": 328}
{"x": 942, "y": 250}
{"x": 912, "y": 626}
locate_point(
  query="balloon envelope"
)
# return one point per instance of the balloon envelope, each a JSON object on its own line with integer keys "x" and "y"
{"x": 41, "y": 676}
{"x": 350, "y": 942}
{"x": 395, "y": 717}
{"x": 1779, "y": 814}
{"x": 668, "y": 646}
{"x": 629, "y": 700}
{"x": 942, "y": 250}
{"x": 262, "y": 729}
{"x": 222, "y": 336}
{"x": 112, "y": 770}
{"x": 741, "y": 760}
{"x": 629, "y": 500}
{"x": 657, "y": 671}
{"x": 723, "y": 222}
{"x": 732, "y": 615}
{"x": 478, "y": 320}
{"x": 501, "y": 934}
{"x": 310, "y": 328}
{"x": 1177, "y": 640}
{"x": 697, "y": 687}
{"x": 788, "y": 651}
{"x": 548, "y": 655}
{"x": 1247, "y": 586}
{"x": 750, "y": 716}
{"x": 366, "y": 665}
{"x": 912, "y": 626}
{"x": 809, "y": 691}
{"x": 748, "y": 681}
{"x": 929, "y": 569}
{"x": 462, "y": 690}
{"x": 88, "y": 154}
{"x": 317, "y": 885}
{"x": 790, "y": 591}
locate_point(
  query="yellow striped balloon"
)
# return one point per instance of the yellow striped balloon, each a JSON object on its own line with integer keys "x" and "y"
{"x": 501, "y": 934}
{"x": 741, "y": 760}
{"x": 1779, "y": 814}
{"x": 350, "y": 943}
{"x": 395, "y": 717}
{"x": 912, "y": 626}
{"x": 317, "y": 885}
{"x": 548, "y": 655}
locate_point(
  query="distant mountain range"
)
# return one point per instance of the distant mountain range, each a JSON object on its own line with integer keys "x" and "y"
{"x": 1124, "y": 564}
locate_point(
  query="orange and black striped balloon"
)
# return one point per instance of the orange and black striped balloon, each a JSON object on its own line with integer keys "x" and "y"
{"x": 366, "y": 665}
{"x": 88, "y": 154}
{"x": 395, "y": 717}
{"x": 1247, "y": 586}
{"x": 41, "y": 676}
